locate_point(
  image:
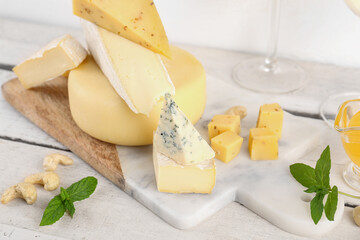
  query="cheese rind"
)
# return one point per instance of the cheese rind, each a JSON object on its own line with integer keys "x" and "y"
{"x": 99, "y": 111}
{"x": 51, "y": 61}
{"x": 137, "y": 74}
{"x": 135, "y": 20}
{"x": 172, "y": 177}
{"x": 178, "y": 139}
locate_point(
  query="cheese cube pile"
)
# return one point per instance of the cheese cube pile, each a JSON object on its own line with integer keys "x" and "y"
{"x": 263, "y": 140}
{"x": 224, "y": 133}
{"x": 223, "y": 123}
{"x": 271, "y": 116}
{"x": 226, "y": 146}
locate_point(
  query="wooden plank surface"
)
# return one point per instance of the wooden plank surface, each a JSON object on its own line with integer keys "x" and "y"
{"x": 48, "y": 107}
{"x": 323, "y": 79}
{"x": 118, "y": 214}
{"x": 16, "y": 127}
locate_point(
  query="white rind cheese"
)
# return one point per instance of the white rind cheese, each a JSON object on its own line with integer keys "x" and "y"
{"x": 178, "y": 139}
{"x": 51, "y": 61}
{"x": 165, "y": 161}
{"x": 137, "y": 74}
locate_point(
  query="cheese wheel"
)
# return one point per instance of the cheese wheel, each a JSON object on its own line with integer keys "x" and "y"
{"x": 99, "y": 111}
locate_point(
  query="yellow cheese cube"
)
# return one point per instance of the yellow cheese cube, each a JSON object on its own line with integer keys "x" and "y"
{"x": 172, "y": 177}
{"x": 226, "y": 146}
{"x": 263, "y": 144}
{"x": 223, "y": 123}
{"x": 271, "y": 116}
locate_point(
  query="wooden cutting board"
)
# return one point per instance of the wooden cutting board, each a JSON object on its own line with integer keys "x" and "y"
{"x": 48, "y": 107}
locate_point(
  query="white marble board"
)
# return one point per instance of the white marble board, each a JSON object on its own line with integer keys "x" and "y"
{"x": 265, "y": 187}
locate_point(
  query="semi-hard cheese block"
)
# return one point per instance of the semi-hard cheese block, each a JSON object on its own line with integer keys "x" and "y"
{"x": 137, "y": 74}
{"x": 226, "y": 146}
{"x": 53, "y": 60}
{"x": 263, "y": 144}
{"x": 102, "y": 113}
{"x": 178, "y": 139}
{"x": 176, "y": 178}
{"x": 136, "y": 20}
{"x": 271, "y": 116}
{"x": 223, "y": 123}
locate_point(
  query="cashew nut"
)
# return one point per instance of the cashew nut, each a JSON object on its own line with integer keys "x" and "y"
{"x": 51, "y": 161}
{"x": 237, "y": 110}
{"x": 356, "y": 215}
{"x": 26, "y": 191}
{"x": 50, "y": 180}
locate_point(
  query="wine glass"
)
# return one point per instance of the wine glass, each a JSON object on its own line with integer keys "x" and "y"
{"x": 329, "y": 107}
{"x": 269, "y": 74}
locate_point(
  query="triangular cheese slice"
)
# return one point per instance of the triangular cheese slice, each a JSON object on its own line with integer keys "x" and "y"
{"x": 137, "y": 74}
{"x": 178, "y": 139}
{"x": 135, "y": 20}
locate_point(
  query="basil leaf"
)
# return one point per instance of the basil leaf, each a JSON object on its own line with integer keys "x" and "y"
{"x": 82, "y": 189}
{"x": 317, "y": 207}
{"x": 311, "y": 189}
{"x": 322, "y": 169}
{"x": 331, "y": 203}
{"x": 53, "y": 212}
{"x": 70, "y": 207}
{"x": 323, "y": 191}
{"x": 304, "y": 174}
{"x": 64, "y": 195}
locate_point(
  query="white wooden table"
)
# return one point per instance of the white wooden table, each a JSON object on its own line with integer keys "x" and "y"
{"x": 110, "y": 212}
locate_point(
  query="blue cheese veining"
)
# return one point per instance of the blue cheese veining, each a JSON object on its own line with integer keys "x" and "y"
{"x": 178, "y": 139}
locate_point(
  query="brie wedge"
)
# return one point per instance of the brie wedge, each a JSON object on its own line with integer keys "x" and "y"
{"x": 136, "y": 73}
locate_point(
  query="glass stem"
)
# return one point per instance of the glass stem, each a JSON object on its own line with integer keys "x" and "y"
{"x": 349, "y": 195}
{"x": 270, "y": 60}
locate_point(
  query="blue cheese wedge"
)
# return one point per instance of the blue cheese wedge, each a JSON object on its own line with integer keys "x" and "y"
{"x": 178, "y": 139}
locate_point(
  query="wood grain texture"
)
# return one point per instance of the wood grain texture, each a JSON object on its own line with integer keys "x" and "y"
{"x": 323, "y": 79}
{"x": 16, "y": 127}
{"x": 48, "y": 107}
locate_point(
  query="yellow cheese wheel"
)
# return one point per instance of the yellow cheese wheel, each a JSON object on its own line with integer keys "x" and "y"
{"x": 99, "y": 111}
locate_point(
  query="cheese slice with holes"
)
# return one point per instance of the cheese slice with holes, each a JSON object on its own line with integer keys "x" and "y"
{"x": 135, "y": 20}
{"x": 55, "y": 59}
{"x": 178, "y": 139}
{"x": 136, "y": 73}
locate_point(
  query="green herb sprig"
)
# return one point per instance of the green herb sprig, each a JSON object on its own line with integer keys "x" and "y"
{"x": 65, "y": 200}
{"x": 318, "y": 181}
